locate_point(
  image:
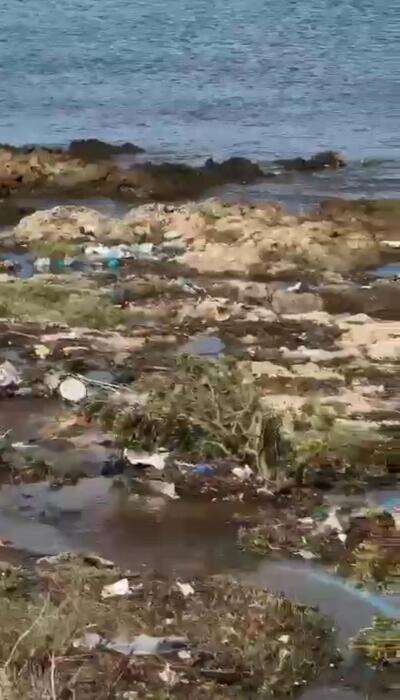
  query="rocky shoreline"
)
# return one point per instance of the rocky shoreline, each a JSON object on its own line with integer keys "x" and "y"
{"x": 216, "y": 352}
{"x": 91, "y": 168}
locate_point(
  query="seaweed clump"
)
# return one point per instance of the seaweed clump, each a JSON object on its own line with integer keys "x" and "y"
{"x": 202, "y": 409}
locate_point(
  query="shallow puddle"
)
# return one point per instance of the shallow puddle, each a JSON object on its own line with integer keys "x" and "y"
{"x": 203, "y": 346}
{"x": 26, "y": 418}
{"x": 389, "y": 271}
{"x": 33, "y": 423}
{"x": 168, "y": 537}
{"x": 184, "y": 539}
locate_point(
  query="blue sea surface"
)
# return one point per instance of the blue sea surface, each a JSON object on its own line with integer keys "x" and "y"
{"x": 188, "y": 79}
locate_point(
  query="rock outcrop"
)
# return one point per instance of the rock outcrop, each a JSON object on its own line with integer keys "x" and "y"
{"x": 94, "y": 149}
{"x": 248, "y": 241}
{"x": 320, "y": 161}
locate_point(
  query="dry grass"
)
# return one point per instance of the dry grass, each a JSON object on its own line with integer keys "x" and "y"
{"x": 242, "y": 642}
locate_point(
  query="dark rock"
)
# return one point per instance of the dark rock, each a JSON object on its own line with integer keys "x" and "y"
{"x": 174, "y": 181}
{"x": 113, "y": 466}
{"x": 94, "y": 149}
{"x": 320, "y": 161}
{"x": 379, "y": 300}
{"x": 234, "y": 170}
{"x": 11, "y": 214}
{"x": 296, "y": 303}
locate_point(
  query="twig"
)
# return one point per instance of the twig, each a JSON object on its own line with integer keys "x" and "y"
{"x": 103, "y": 385}
{"x": 24, "y": 635}
{"x": 52, "y": 678}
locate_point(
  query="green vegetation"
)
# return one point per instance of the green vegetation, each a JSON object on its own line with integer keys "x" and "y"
{"x": 203, "y": 409}
{"x": 58, "y": 302}
{"x": 381, "y": 642}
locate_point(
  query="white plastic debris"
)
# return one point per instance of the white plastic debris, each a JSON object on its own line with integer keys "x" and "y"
{"x": 119, "y": 588}
{"x": 284, "y": 638}
{"x": 242, "y": 473}
{"x": 166, "y": 488}
{"x": 72, "y": 389}
{"x": 294, "y": 287}
{"x": 100, "y": 252}
{"x": 42, "y": 264}
{"x": 144, "y": 645}
{"x": 185, "y": 588}
{"x": 305, "y": 554}
{"x": 52, "y": 380}
{"x": 156, "y": 460}
{"x": 172, "y": 235}
{"x": 168, "y": 676}
{"x": 332, "y": 522}
{"x": 8, "y": 375}
{"x": 184, "y": 655}
{"x": 391, "y": 244}
{"x": 142, "y": 249}
{"x": 89, "y": 559}
{"x": 103, "y": 252}
{"x": 89, "y": 641}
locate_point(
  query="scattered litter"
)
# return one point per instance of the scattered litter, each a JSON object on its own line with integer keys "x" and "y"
{"x": 169, "y": 676}
{"x": 164, "y": 487}
{"x": 68, "y": 557}
{"x": 5, "y": 439}
{"x": 8, "y": 375}
{"x": 97, "y": 561}
{"x": 42, "y": 264}
{"x": 98, "y": 383}
{"x": 89, "y": 641}
{"x": 203, "y": 469}
{"x": 332, "y": 522}
{"x": 306, "y": 521}
{"x": 8, "y": 265}
{"x": 306, "y": 554}
{"x": 103, "y": 253}
{"x": 187, "y": 286}
{"x": 294, "y": 287}
{"x": 116, "y": 589}
{"x": 72, "y": 389}
{"x": 185, "y": 588}
{"x": 243, "y": 473}
{"x": 144, "y": 645}
{"x": 120, "y": 588}
{"x": 172, "y": 235}
{"x": 142, "y": 250}
{"x": 112, "y": 263}
{"x": 264, "y": 491}
{"x": 284, "y": 638}
{"x": 41, "y": 351}
{"x": 52, "y": 380}
{"x": 184, "y": 655}
{"x": 391, "y": 244}
{"x": 145, "y": 459}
